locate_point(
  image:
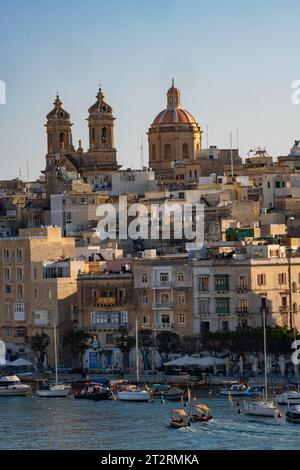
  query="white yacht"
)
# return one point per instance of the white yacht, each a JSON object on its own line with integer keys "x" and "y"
{"x": 235, "y": 390}
{"x": 289, "y": 398}
{"x": 134, "y": 394}
{"x": 261, "y": 408}
{"x": 11, "y": 386}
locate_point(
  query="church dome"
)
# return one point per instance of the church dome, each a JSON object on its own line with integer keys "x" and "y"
{"x": 174, "y": 113}
{"x": 58, "y": 112}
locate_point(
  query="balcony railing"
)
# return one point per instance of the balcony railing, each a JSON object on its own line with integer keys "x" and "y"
{"x": 162, "y": 284}
{"x": 162, "y": 305}
{"x": 109, "y": 301}
{"x": 104, "y": 326}
{"x": 163, "y": 326}
{"x": 242, "y": 311}
{"x": 241, "y": 290}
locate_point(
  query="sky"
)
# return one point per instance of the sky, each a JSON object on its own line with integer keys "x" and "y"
{"x": 233, "y": 61}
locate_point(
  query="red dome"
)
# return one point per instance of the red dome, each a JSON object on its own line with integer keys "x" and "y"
{"x": 174, "y": 116}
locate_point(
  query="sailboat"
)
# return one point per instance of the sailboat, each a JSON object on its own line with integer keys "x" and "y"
{"x": 56, "y": 390}
{"x": 135, "y": 394}
{"x": 264, "y": 407}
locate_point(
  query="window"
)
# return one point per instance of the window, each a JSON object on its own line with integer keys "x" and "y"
{"x": 181, "y": 298}
{"x": 204, "y": 327}
{"x": 67, "y": 217}
{"x": 144, "y": 298}
{"x": 35, "y": 273}
{"x": 20, "y": 332}
{"x": 261, "y": 279}
{"x": 74, "y": 313}
{"x": 6, "y": 256}
{"x": 19, "y": 255}
{"x": 164, "y": 298}
{"x": 164, "y": 278}
{"x": 19, "y": 312}
{"x": 203, "y": 283}
{"x": 225, "y": 326}
{"x": 145, "y": 320}
{"x": 83, "y": 200}
{"x": 6, "y": 333}
{"x": 167, "y": 151}
{"x": 36, "y": 294}
{"x": 153, "y": 152}
{"x": 7, "y": 274}
{"x": 185, "y": 151}
{"x": 20, "y": 292}
{"x": 203, "y": 306}
{"x": 222, "y": 305}
{"x": 243, "y": 305}
{"x": 269, "y": 185}
{"x": 144, "y": 278}
{"x": 7, "y": 289}
{"x": 180, "y": 277}
{"x": 109, "y": 338}
{"x": 221, "y": 282}
{"x": 282, "y": 278}
{"x": 19, "y": 274}
{"x": 284, "y": 302}
{"x": 165, "y": 319}
{"x": 6, "y": 312}
{"x": 181, "y": 319}
{"x": 243, "y": 282}
{"x": 40, "y": 317}
{"x": 274, "y": 253}
{"x": 49, "y": 294}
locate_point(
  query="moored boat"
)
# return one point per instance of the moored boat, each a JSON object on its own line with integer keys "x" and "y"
{"x": 236, "y": 390}
{"x": 53, "y": 391}
{"x": 289, "y": 398}
{"x": 293, "y": 414}
{"x": 11, "y": 386}
{"x": 262, "y": 408}
{"x": 173, "y": 394}
{"x": 133, "y": 394}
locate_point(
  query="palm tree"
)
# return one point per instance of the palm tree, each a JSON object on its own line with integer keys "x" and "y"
{"x": 125, "y": 343}
{"x": 77, "y": 342}
{"x": 39, "y": 343}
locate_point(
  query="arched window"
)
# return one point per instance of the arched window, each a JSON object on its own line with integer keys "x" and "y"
{"x": 185, "y": 151}
{"x": 104, "y": 135}
{"x": 153, "y": 152}
{"x": 93, "y": 134}
{"x": 167, "y": 151}
{"x": 62, "y": 140}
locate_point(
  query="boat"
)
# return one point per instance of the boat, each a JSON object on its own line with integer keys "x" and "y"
{"x": 179, "y": 419}
{"x": 133, "y": 394}
{"x": 57, "y": 390}
{"x": 293, "y": 414}
{"x": 200, "y": 413}
{"x": 173, "y": 394}
{"x": 235, "y": 390}
{"x": 264, "y": 407}
{"x": 11, "y": 386}
{"x": 289, "y": 398}
{"x": 94, "y": 392}
{"x": 261, "y": 408}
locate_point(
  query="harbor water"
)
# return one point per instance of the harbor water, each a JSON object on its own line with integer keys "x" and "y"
{"x": 66, "y": 423}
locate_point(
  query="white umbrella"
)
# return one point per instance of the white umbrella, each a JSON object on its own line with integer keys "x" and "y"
{"x": 20, "y": 362}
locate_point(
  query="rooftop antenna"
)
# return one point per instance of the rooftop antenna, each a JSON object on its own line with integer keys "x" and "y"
{"x": 231, "y": 156}
{"x": 142, "y": 151}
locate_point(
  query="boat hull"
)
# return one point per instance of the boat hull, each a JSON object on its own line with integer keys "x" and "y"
{"x": 14, "y": 392}
{"x": 264, "y": 410}
{"x": 53, "y": 393}
{"x": 292, "y": 417}
{"x": 133, "y": 396}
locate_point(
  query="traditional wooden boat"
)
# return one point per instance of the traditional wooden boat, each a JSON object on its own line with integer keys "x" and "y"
{"x": 200, "y": 413}
{"x": 179, "y": 419}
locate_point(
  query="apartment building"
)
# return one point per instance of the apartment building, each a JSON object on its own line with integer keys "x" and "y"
{"x": 37, "y": 286}
{"x": 232, "y": 291}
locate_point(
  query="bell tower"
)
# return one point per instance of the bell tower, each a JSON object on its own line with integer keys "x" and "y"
{"x": 101, "y": 130}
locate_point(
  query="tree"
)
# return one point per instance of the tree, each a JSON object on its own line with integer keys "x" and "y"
{"x": 77, "y": 342}
{"x": 167, "y": 342}
{"x": 189, "y": 345}
{"x": 39, "y": 343}
{"x": 146, "y": 342}
{"x": 125, "y": 343}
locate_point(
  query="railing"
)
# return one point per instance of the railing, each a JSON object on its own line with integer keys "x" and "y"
{"x": 162, "y": 284}
{"x": 104, "y": 326}
{"x": 242, "y": 311}
{"x": 162, "y": 305}
{"x": 163, "y": 326}
{"x": 241, "y": 290}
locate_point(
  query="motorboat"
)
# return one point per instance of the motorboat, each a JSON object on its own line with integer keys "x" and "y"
{"x": 94, "y": 392}
{"x": 53, "y": 391}
{"x": 261, "y": 408}
{"x": 289, "y": 398}
{"x": 179, "y": 419}
{"x": 200, "y": 413}
{"x": 11, "y": 386}
{"x": 293, "y": 414}
{"x": 133, "y": 394}
{"x": 173, "y": 394}
{"x": 238, "y": 390}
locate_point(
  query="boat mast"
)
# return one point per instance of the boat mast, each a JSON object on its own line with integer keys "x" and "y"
{"x": 265, "y": 353}
{"x": 137, "y": 351}
{"x": 55, "y": 355}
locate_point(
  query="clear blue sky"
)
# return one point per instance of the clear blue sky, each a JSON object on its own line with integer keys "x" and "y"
{"x": 234, "y": 62}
